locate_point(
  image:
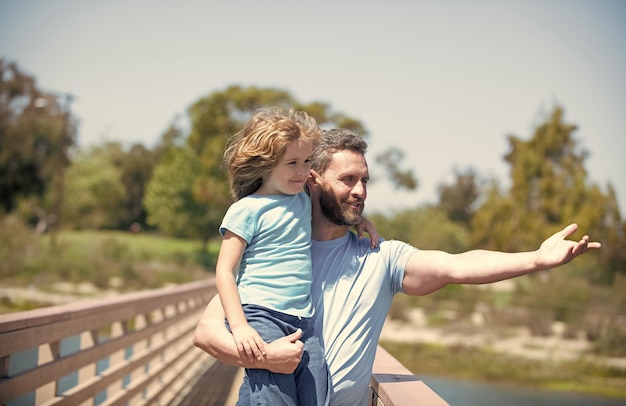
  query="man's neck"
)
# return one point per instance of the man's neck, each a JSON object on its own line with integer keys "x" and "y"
{"x": 323, "y": 230}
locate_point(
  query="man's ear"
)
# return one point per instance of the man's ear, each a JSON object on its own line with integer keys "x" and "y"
{"x": 311, "y": 181}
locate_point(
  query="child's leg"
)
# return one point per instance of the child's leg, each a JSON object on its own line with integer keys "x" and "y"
{"x": 312, "y": 375}
{"x": 244, "y": 393}
{"x": 268, "y": 388}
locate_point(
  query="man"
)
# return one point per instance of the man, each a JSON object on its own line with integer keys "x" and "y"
{"x": 353, "y": 285}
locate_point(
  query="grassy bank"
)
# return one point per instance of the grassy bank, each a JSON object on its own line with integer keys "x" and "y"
{"x": 116, "y": 260}
{"x": 583, "y": 376}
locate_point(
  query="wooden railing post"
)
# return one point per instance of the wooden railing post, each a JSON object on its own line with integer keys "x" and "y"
{"x": 392, "y": 384}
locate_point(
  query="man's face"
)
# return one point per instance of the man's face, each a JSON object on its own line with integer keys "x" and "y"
{"x": 344, "y": 188}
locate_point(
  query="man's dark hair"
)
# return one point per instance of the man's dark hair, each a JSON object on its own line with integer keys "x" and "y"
{"x": 332, "y": 141}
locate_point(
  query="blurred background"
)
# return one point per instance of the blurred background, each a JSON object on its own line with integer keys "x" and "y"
{"x": 490, "y": 124}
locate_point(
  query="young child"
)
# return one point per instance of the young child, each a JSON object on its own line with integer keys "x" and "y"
{"x": 263, "y": 270}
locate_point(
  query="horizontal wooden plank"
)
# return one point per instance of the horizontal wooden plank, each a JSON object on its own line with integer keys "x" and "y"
{"x": 57, "y": 325}
{"x": 140, "y": 301}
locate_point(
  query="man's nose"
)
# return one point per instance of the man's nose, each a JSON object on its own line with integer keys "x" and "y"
{"x": 359, "y": 190}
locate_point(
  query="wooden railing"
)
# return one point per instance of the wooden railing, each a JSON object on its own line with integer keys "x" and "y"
{"x": 392, "y": 384}
{"x": 136, "y": 349}
{"x": 132, "y": 349}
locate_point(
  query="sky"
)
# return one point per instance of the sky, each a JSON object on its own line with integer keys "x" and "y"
{"x": 444, "y": 81}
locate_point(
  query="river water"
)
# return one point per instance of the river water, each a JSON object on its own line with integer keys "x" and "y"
{"x": 469, "y": 393}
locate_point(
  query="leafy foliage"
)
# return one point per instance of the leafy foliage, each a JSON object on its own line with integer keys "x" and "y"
{"x": 458, "y": 199}
{"x": 401, "y": 178}
{"x": 179, "y": 187}
{"x": 188, "y": 193}
{"x": 549, "y": 190}
{"x": 36, "y": 134}
{"x": 169, "y": 198}
{"x": 135, "y": 167}
{"x": 425, "y": 228}
{"x": 95, "y": 194}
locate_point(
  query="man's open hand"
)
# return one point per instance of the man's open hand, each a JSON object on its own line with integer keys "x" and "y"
{"x": 557, "y": 250}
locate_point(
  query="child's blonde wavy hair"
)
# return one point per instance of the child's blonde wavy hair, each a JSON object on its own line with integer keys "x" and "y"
{"x": 254, "y": 151}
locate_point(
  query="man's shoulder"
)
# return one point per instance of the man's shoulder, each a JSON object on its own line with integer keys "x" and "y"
{"x": 385, "y": 247}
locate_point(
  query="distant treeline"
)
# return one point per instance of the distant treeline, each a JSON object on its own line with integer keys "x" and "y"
{"x": 177, "y": 187}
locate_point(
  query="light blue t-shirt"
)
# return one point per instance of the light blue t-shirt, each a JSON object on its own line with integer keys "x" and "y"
{"x": 275, "y": 270}
{"x": 352, "y": 290}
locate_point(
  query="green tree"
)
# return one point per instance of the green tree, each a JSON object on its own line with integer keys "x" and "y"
{"x": 135, "y": 166}
{"x": 424, "y": 227}
{"x": 202, "y": 186}
{"x": 458, "y": 199}
{"x": 391, "y": 160}
{"x": 169, "y": 198}
{"x": 549, "y": 189}
{"x": 219, "y": 115}
{"x": 36, "y": 136}
{"x": 95, "y": 193}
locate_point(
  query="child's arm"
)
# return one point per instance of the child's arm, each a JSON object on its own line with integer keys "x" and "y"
{"x": 247, "y": 339}
{"x": 367, "y": 226}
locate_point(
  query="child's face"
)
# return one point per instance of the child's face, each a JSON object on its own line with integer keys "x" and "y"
{"x": 291, "y": 171}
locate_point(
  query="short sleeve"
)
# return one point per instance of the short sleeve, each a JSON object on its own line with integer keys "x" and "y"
{"x": 400, "y": 253}
{"x": 239, "y": 220}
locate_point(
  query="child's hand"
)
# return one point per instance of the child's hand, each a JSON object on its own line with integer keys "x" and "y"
{"x": 249, "y": 342}
{"x": 366, "y": 226}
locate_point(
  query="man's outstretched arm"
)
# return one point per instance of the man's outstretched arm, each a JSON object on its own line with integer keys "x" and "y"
{"x": 211, "y": 336}
{"x": 428, "y": 271}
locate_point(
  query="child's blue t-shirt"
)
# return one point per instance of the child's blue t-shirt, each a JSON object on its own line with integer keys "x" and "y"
{"x": 275, "y": 270}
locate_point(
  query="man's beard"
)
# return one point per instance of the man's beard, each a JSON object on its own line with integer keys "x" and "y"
{"x": 332, "y": 210}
